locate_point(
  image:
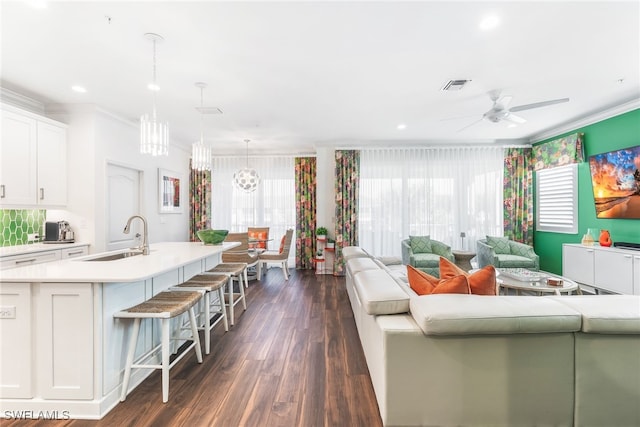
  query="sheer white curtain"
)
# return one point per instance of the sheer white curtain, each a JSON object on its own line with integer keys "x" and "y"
{"x": 439, "y": 192}
{"x": 272, "y": 205}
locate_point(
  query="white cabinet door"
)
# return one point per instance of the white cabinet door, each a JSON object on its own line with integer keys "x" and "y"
{"x": 52, "y": 165}
{"x": 614, "y": 271}
{"x": 17, "y": 160}
{"x": 15, "y": 351}
{"x": 64, "y": 340}
{"x": 29, "y": 259}
{"x": 74, "y": 252}
{"x": 636, "y": 274}
{"x": 578, "y": 264}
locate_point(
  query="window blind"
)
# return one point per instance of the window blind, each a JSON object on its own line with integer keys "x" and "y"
{"x": 557, "y": 200}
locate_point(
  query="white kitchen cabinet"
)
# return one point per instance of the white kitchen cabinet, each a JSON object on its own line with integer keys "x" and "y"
{"x": 33, "y": 152}
{"x": 607, "y": 268}
{"x": 74, "y": 252}
{"x": 16, "y": 350}
{"x": 29, "y": 259}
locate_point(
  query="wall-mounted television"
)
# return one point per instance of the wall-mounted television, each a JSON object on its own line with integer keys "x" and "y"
{"x": 616, "y": 183}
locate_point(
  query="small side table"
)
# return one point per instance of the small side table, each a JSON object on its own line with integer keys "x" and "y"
{"x": 463, "y": 259}
{"x": 319, "y": 268}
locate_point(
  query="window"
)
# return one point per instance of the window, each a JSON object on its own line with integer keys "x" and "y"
{"x": 557, "y": 200}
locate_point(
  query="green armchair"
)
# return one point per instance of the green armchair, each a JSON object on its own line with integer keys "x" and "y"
{"x": 424, "y": 254}
{"x": 505, "y": 253}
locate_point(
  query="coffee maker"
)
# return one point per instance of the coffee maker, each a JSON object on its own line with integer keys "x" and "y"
{"x": 58, "y": 232}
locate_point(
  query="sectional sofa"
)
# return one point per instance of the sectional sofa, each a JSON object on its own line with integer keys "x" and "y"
{"x": 472, "y": 360}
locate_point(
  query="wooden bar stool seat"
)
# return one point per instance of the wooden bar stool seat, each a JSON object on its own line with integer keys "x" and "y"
{"x": 164, "y": 306}
{"x": 212, "y": 284}
{"x": 238, "y": 271}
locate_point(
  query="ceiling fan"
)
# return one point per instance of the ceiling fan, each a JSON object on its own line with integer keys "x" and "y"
{"x": 500, "y": 110}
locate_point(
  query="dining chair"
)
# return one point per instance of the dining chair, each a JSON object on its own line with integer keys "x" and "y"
{"x": 281, "y": 256}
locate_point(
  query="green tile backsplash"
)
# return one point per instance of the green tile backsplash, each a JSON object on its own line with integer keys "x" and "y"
{"x": 17, "y": 224}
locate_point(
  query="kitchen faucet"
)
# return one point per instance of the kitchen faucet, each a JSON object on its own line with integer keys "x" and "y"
{"x": 145, "y": 236}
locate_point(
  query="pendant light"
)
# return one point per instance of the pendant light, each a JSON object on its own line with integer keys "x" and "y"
{"x": 201, "y": 153}
{"x": 247, "y": 179}
{"x": 154, "y": 135}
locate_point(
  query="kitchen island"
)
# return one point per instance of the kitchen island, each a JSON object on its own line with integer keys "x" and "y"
{"x": 62, "y": 351}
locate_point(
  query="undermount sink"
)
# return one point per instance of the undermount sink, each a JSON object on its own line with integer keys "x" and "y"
{"x": 113, "y": 257}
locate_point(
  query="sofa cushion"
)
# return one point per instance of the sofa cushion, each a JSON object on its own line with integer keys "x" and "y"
{"x": 451, "y": 314}
{"x": 514, "y": 261}
{"x": 379, "y": 293}
{"x": 500, "y": 245}
{"x": 481, "y": 282}
{"x": 420, "y": 244}
{"x": 349, "y": 252}
{"x": 356, "y": 265}
{"x": 606, "y": 314}
{"x": 426, "y": 260}
{"x": 425, "y": 284}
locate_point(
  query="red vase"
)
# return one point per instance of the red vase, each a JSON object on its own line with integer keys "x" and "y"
{"x": 605, "y": 238}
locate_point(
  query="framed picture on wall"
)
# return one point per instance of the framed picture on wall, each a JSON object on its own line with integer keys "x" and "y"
{"x": 170, "y": 191}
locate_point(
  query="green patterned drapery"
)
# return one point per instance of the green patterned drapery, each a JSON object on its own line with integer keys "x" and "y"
{"x": 199, "y": 201}
{"x": 347, "y": 181}
{"x": 305, "y": 183}
{"x": 559, "y": 152}
{"x": 518, "y": 195}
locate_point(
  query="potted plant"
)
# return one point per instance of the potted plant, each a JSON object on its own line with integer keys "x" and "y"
{"x": 330, "y": 243}
{"x": 321, "y": 233}
{"x": 319, "y": 255}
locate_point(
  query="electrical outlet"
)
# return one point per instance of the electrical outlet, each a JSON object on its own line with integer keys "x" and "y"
{"x": 33, "y": 237}
{"x": 8, "y": 312}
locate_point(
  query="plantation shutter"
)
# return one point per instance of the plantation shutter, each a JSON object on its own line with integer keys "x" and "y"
{"x": 557, "y": 200}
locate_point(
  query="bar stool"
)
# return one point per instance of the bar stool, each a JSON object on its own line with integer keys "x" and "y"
{"x": 234, "y": 270}
{"x": 210, "y": 284}
{"x": 164, "y": 306}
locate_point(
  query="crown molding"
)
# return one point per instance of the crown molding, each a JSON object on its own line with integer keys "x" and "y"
{"x": 598, "y": 116}
{"x": 21, "y": 101}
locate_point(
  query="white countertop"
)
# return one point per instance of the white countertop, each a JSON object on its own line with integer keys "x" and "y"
{"x": 36, "y": 247}
{"x": 163, "y": 257}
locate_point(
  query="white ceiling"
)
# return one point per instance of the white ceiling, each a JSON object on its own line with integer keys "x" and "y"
{"x": 291, "y": 76}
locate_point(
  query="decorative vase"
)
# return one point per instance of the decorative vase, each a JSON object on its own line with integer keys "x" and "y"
{"x": 605, "y": 238}
{"x": 587, "y": 240}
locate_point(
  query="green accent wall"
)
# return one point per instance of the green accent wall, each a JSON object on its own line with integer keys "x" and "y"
{"x": 611, "y": 134}
{"x": 17, "y": 224}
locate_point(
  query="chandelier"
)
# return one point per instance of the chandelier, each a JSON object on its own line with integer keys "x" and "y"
{"x": 247, "y": 179}
{"x": 154, "y": 135}
{"x": 201, "y": 153}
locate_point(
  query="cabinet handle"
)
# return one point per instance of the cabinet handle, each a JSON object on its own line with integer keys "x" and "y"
{"x": 627, "y": 256}
{"x": 41, "y": 193}
{"x": 74, "y": 253}
{"x": 24, "y": 261}
{"x": 2, "y": 195}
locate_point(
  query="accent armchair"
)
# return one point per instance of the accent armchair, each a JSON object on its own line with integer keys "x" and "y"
{"x": 424, "y": 253}
{"x": 505, "y": 253}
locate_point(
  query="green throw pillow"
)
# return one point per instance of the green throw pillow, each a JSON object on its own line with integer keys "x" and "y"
{"x": 500, "y": 245}
{"x": 420, "y": 244}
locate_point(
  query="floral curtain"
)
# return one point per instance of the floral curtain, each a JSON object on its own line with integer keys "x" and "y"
{"x": 305, "y": 183}
{"x": 559, "y": 152}
{"x": 518, "y": 195}
{"x": 199, "y": 201}
{"x": 347, "y": 181}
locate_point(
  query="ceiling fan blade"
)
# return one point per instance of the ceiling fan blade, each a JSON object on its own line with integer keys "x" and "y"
{"x": 538, "y": 104}
{"x": 469, "y": 125}
{"x": 510, "y": 117}
{"x": 458, "y": 117}
{"x": 504, "y": 100}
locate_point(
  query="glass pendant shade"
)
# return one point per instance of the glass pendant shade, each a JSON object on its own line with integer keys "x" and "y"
{"x": 247, "y": 179}
{"x": 154, "y": 136}
{"x": 200, "y": 156}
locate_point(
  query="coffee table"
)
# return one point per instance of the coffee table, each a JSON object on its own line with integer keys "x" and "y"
{"x": 536, "y": 283}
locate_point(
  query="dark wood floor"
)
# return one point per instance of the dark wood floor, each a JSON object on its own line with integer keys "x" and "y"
{"x": 292, "y": 359}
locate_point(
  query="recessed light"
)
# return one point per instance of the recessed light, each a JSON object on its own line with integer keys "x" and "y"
{"x": 154, "y": 87}
{"x": 78, "y": 89}
{"x": 489, "y": 22}
{"x": 401, "y": 126}
{"x": 512, "y": 125}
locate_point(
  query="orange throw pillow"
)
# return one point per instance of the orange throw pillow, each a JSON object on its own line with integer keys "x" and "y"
{"x": 482, "y": 282}
{"x": 282, "y": 244}
{"x": 425, "y": 284}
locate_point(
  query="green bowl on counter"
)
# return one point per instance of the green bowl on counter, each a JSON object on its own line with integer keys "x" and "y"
{"x": 212, "y": 237}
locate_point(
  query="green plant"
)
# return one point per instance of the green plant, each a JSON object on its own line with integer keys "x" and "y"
{"x": 321, "y": 231}
{"x": 330, "y": 240}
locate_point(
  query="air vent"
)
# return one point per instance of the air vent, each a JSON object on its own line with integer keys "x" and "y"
{"x": 455, "y": 84}
{"x": 209, "y": 110}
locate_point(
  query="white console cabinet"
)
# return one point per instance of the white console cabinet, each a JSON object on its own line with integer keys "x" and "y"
{"x": 610, "y": 269}
{"x": 33, "y": 160}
